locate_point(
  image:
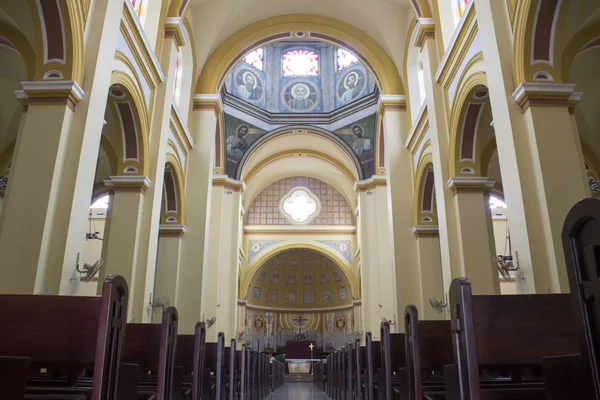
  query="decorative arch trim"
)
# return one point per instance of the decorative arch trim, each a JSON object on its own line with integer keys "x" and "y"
{"x": 281, "y": 27}
{"x": 173, "y": 208}
{"x": 332, "y": 254}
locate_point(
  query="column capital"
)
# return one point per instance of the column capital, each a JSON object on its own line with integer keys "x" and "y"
{"x": 128, "y": 183}
{"x": 426, "y": 230}
{"x": 50, "y": 92}
{"x": 172, "y": 230}
{"x": 208, "y": 102}
{"x": 174, "y": 28}
{"x": 372, "y": 183}
{"x": 545, "y": 94}
{"x": 389, "y": 102}
{"x": 470, "y": 184}
{"x": 228, "y": 183}
{"x": 425, "y": 29}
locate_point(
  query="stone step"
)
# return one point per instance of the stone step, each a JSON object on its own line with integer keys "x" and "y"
{"x": 307, "y": 378}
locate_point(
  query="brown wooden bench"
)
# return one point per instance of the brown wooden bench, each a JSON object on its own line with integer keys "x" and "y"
{"x": 373, "y": 366}
{"x": 153, "y": 347}
{"x": 510, "y": 332}
{"x": 190, "y": 356}
{"x": 428, "y": 349}
{"x": 393, "y": 358}
{"x": 64, "y": 332}
{"x": 360, "y": 369}
{"x": 580, "y": 375}
{"x": 214, "y": 362}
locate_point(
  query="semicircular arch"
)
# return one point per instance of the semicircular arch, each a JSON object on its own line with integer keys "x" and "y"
{"x": 317, "y": 27}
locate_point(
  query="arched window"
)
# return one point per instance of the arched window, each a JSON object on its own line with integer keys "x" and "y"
{"x": 300, "y": 62}
{"x": 496, "y": 202}
{"x": 178, "y": 76}
{"x": 255, "y": 58}
{"x": 138, "y": 6}
{"x": 345, "y": 59}
{"x": 421, "y": 78}
{"x": 459, "y": 7}
{"x": 102, "y": 202}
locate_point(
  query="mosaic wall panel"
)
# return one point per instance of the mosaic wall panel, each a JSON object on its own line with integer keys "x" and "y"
{"x": 256, "y": 246}
{"x": 343, "y": 246}
{"x": 264, "y": 210}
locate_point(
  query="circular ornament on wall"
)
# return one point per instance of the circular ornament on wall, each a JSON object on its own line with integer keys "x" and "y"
{"x": 300, "y": 96}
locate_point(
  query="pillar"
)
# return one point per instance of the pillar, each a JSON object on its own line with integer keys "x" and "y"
{"x": 241, "y": 322}
{"x": 377, "y": 272}
{"x": 424, "y": 38}
{"x": 159, "y": 135}
{"x": 31, "y": 200}
{"x": 539, "y": 152}
{"x": 121, "y": 239}
{"x": 399, "y": 173}
{"x": 45, "y": 225}
{"x": 220, "y": 272}
{"x": 430, "y": 269}
{"x": 476, "y": 252}
{"x": 356, "y": 306}
{"x": 168, "y": 263}
{"x": 198, "y": 189}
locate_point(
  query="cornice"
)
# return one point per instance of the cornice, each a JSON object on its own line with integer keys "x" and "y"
{"x": 424, "y": 29}
{"x": 136, "y": 39}
{"x": 426, "y": 230}
{"x": 546, "y": 95}
{"x": 459, "y": 45}
{"x": 470, "y": 184}
{"x": 181, "y": 132}
{"x": 370, "y": 184}
{"x": 171, "y": 230}
{"x": 391, "y": 103}
{"x": 301, "y": 229}
{"x": 228, "y": 183}
{"x": 128, "y": 183}
{"x": 174, "y": 28}
{"x": 208, "y": 102}
{"x": 418, "y": 131}
{"x": 50, "y": 92}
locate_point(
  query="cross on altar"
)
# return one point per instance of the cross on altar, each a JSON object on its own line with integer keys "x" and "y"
{"x": 312, "y": 346}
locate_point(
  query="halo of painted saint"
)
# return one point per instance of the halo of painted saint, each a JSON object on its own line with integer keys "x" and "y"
{"x": 301, "y": 96}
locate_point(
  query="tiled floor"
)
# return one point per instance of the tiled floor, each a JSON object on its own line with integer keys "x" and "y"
{"x": 297, "y": 391}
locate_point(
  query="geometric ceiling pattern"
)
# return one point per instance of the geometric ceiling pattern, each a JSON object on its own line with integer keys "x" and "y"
{"x": 299, "y": 279}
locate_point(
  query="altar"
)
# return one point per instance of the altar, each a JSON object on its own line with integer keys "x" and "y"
{"x": 299, "y": 356}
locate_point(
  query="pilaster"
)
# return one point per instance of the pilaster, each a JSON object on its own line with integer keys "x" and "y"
{"x": 430, "y": 268}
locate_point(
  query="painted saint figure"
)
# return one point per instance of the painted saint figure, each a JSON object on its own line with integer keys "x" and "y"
{"x": 352, "y": 86}
{"x": 249, "y": 89}
{"x": 300, "y": 93}
{"x": 236, "y": 144}
{"x": 360, "y": 144}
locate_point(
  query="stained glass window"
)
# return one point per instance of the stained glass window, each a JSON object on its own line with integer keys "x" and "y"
{"x": 300, "y": 62}
{"x": 178, "y": 76}
{"x": 496, "y": 202}
{"x": 300, "y": 205}
{"x": 462, "y": 4}
{"x": 345, "y": 59}
{"x": 255, "y": 58}
{"x": 138, "y": 6}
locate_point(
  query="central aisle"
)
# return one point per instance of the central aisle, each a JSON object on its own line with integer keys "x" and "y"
{"x": 297, "y": 391}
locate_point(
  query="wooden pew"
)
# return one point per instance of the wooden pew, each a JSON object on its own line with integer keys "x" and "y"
{"x": 42, "y": 329}
{"x": 230, "y": 369}
{"x": 393, "y": 357}
{"x": 349, "y": 371}
{"x": 153, "y": 347}
{"x": 214, "y": 361}
{"x": 373, "y": 366}
{"x": 360, "y": 369}
{"x": 428, "y": 349}
{"x": 190, "y": 356}
{"x": 511, "y": 331}
{"x": 241, "y": 367}
{"x": 581, "y": 243}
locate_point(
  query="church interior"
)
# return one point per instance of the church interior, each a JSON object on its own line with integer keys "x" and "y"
{"x": 341, "y": 199}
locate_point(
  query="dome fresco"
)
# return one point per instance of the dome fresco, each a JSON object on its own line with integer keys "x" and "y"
{"x": 299, "y": 279}
{"x": 300, "y": 77}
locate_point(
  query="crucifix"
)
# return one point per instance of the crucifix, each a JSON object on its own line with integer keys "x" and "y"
{"x": 299, "y": 321}
{"x": 312, "y": 346}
